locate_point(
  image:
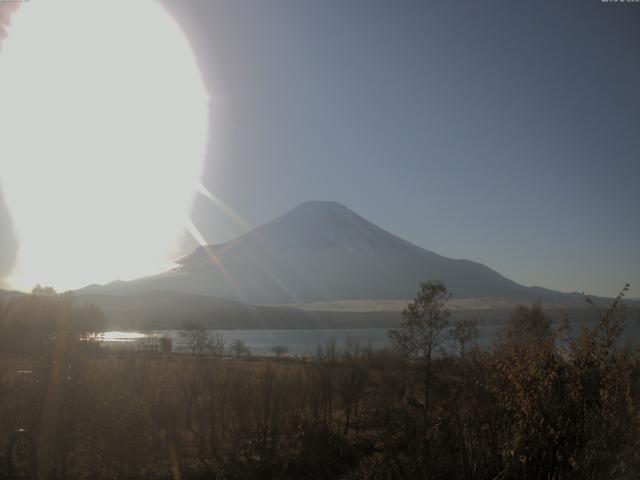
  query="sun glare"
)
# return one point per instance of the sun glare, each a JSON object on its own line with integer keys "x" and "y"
{"x": 103, "y": 126}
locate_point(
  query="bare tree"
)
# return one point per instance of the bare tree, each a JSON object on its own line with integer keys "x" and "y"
{"x": 328, "y": 352}
{"x": 351, "y": 347}
{"x": 166, "y": 345}
{"x": 279, "y": 350}
{"x": 239, "y": 348}
{"x": 352, "y": 381}
{"x": 217, "y": 344}
{"x": 195, "y": 337}
{"x": 465, "y": 331}
{"x": 422, "y": 331}
{"x": 527, "y": 323}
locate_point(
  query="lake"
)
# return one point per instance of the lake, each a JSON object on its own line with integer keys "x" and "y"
{"x": 306, "y": 341}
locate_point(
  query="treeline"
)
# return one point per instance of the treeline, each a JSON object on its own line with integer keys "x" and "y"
{"x": 29, "y": 324}
{"x": 542, "y": 402}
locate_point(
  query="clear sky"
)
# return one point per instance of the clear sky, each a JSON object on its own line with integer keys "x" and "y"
{"x": 503, "y": 132}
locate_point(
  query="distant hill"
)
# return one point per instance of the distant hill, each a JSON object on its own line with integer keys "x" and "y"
{"x": 322, "y": 251}
{"x": 172, "y": 310}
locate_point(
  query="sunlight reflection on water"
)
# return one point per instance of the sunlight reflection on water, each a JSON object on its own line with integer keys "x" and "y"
{"x": 117, "y": 336}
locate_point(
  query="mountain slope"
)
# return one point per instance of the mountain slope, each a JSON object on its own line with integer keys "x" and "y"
{"x": 321, "y": 251}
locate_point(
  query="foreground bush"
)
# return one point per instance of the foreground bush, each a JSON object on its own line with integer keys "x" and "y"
{"x": 540, "y": 403}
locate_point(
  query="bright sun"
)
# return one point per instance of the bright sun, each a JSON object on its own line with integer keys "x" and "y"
{"x": 103, "y": 130}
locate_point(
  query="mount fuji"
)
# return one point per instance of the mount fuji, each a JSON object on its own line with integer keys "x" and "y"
{"x": 321, "y": 252}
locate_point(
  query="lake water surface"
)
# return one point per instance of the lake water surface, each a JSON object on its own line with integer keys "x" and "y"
{"x": 305, "y": 342}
